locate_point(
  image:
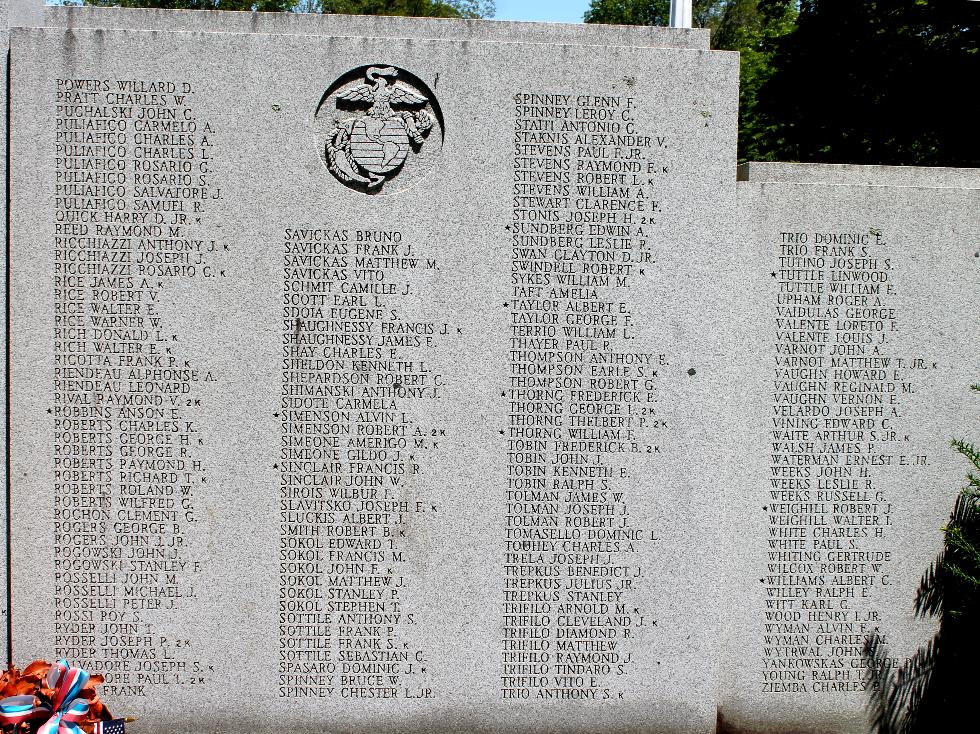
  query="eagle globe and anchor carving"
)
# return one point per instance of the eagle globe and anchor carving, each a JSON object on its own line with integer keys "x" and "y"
{"x": 366, "y": 150}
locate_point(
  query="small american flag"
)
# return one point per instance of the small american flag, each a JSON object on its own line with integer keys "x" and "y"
{"x": 116, "y": 726}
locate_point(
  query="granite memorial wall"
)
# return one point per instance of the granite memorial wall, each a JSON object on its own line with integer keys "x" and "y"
{"x": 439, "y": 376}
{"x": 864, "y": 356}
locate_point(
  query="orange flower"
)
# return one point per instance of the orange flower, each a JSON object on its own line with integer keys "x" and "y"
{"x": 15, "y": 683}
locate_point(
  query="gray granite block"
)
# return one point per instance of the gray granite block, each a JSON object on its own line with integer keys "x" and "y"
{"x": 25, "y": 13}
{"x": 862, "y": 350}
{"x": 370, "y": 383}
{"x": 4, "y": 44}
{"x": 846, "y": 174}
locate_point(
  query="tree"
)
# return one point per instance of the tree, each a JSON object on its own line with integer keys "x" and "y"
{"x": 628, "y": 12}
{"x": 415, "y": 8}
{"x": 706, "y": 13}
{"x": 722, "y": 17}
{"x": 265, "y": 6}
{"x": 933, "y": 691}
{"x": 754, "y": 29}
{"x": 751, "y": 27}
{"x": 874, "y": 82}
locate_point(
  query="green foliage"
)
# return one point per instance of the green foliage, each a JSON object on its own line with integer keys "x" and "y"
{"x": 706, "y": 13}
{"x": 751, "y": 27}
{"x": 414, "y": 8}
{"x": 260, "y": 5}
{"x": 843, "y": 81}
{"x": 628, "y": 12}
{"x": 932, "y": 691}
{"x": 876, "y": 82}
{"x": 730, "y": 21}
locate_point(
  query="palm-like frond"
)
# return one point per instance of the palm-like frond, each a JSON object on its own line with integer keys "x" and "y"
{"x": 935, "y": 686}
{"x": 882, "y": 684}
{"x": 913, "y": 685}
{"x": 968, "y": 450}
{"x": 929, "y": 595}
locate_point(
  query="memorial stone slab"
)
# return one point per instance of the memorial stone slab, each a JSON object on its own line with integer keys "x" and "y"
{"x": 854, "y": 175}
{"x": 372, "y": 382}
{"x": 4, "y": 35}
{"x": 863, "y": 351}
{"x": 34, "y": 13}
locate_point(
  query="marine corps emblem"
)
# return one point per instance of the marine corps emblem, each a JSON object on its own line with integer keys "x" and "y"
{"x": 395, "y": 118}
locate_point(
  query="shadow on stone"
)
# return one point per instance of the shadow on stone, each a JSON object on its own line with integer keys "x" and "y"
{"x": 933, "y": 690}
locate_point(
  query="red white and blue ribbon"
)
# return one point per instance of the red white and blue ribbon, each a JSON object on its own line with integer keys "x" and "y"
{"x": 66, "y": 721}
{"x": 18, "y": 709}
{"x": 67, "y": 683}
{"x": 63, "y": 701}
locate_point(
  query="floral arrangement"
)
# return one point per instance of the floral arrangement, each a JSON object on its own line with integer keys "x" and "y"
{"x": 48, "y": 698}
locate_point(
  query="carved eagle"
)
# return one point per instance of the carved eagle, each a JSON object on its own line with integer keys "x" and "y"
{"x": 381, "y": 94}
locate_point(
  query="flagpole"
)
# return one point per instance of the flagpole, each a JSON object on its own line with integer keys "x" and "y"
{"x": 681, "y": 13}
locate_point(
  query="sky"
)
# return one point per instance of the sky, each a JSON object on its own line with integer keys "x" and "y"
{"x": 554, "y": 11}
